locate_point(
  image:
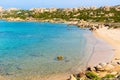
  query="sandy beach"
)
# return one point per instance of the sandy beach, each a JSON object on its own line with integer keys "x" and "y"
{"x": 38, "y": 77}
{"x": 103, "y": 48}
{"x": 111, "y": 36}
{"x": 101, "y": 51}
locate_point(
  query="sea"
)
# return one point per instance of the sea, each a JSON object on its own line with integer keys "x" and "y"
{"x": 31, "y": 48}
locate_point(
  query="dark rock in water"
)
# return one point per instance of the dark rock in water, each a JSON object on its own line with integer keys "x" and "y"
{"x": 60, "y": 58}
{"x": 41, "y": 55}
{"x": 9, "y": 73}
{"x": 92, "y": 29}
{"x": 36, "y": 55}
{"x": 18, "y": 68}
{"x": 2, "y": 65}
{"x": 67, "y": 60}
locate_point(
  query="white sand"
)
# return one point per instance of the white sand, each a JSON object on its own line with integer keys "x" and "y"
{"x": 101, "y": 51}
{"x": 112, "y": 36}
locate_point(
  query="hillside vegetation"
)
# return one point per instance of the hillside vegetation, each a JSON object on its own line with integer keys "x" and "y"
{"x": 102, "y": 14}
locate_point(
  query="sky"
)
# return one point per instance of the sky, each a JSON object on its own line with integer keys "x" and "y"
{"x": 27, "y": 4}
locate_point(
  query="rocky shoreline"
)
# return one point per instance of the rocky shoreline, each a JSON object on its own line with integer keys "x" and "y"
{"x": 107, "y": 70}
{"x": 79, "y": 23}
{"x": 102, "y": 71}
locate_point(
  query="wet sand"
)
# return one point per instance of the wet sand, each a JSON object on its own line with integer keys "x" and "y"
{"x": 101, "y": 51}
{"x": 108, "y": 42}
{"x": 38, "y": 77}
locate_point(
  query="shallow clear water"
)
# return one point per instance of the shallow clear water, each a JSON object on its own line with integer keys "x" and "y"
{"x": 28, "y": 48}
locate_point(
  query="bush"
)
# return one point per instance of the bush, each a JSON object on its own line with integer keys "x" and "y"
{"x": 109, "y": 76}
{"x": 92, "y": 76}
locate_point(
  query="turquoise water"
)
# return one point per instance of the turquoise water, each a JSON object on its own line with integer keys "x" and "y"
{"x": 29, "y": 48}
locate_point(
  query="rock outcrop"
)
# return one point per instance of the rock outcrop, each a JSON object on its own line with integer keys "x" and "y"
{"x": 72, "y": 77}
{"x": 60, "y": 57}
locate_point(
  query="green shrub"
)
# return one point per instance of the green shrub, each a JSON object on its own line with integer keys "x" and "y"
{"x": 92, "y": 76}
{"x": 116, "y": 27}
{"x": 109, "y": 76}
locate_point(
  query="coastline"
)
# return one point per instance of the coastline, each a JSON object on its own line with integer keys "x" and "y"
{"x": 99, "y": 53}
{"x": 97, "y": 33}
{"x": 79, "y": 23}
{"x": 105, "y": 56}
{"x": 8, "y": 75}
